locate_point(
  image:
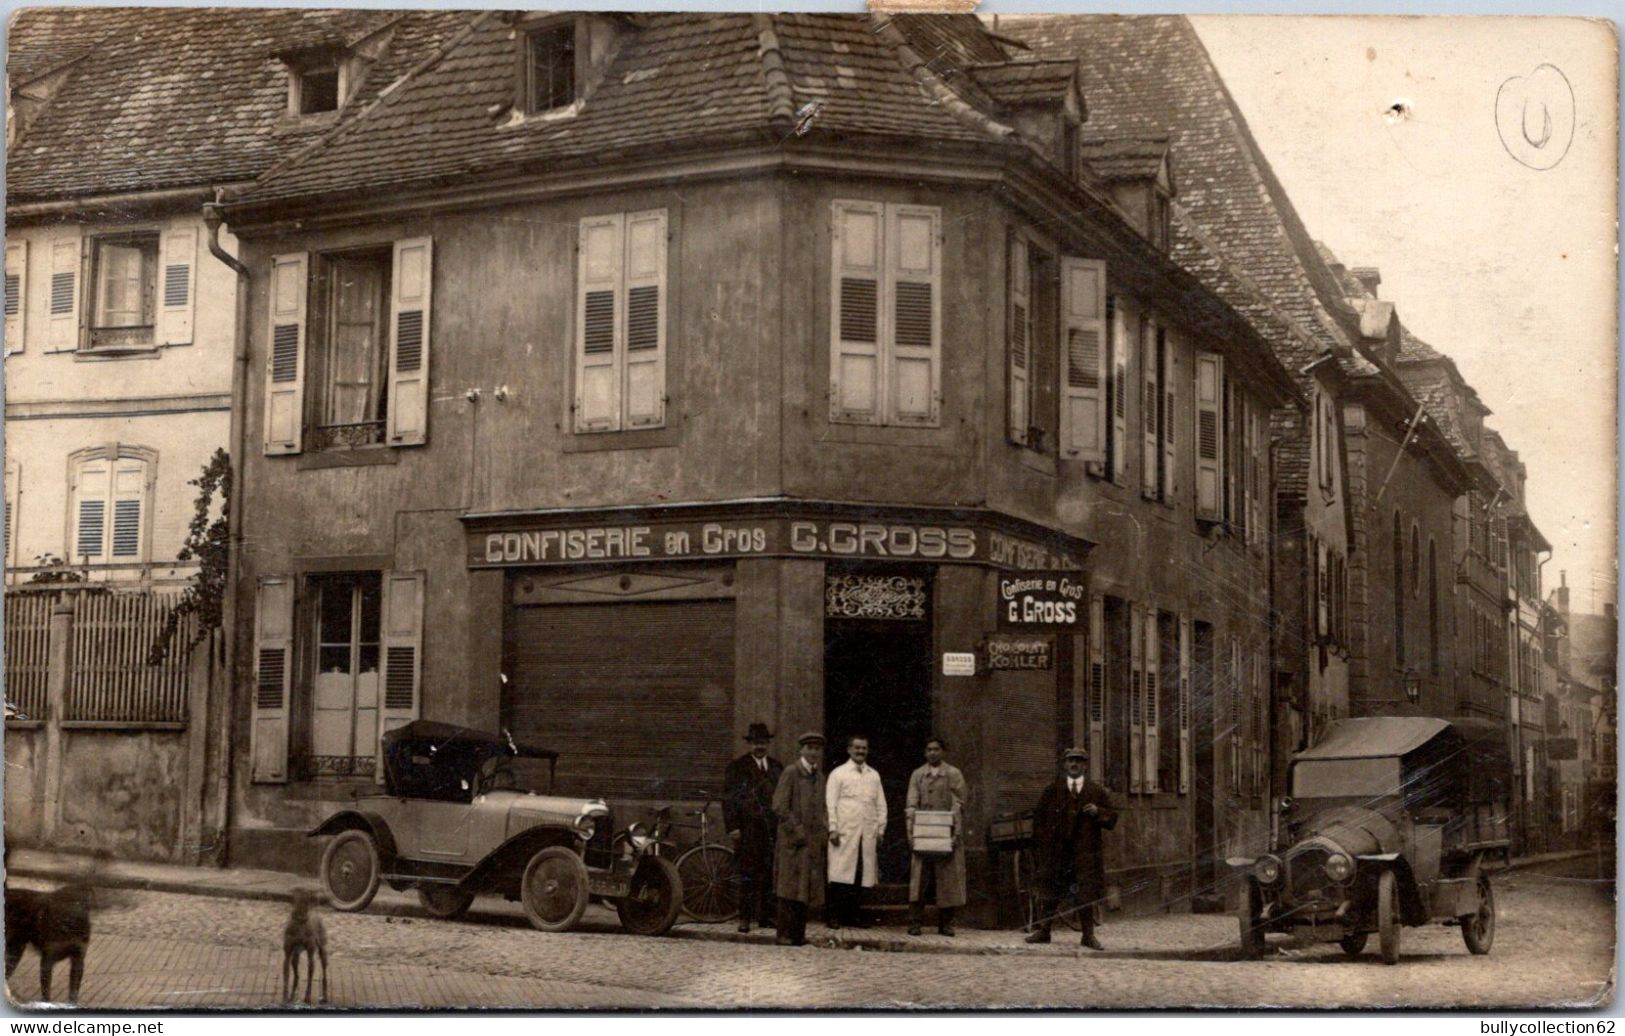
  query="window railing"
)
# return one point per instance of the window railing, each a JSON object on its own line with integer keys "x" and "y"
{"x": 138, "y": 336}
{"x": 319, "y": 767}
{"x": 347, "y": 436}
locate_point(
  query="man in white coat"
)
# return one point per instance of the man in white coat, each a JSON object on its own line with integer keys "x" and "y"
{"x": 857, "y": 817}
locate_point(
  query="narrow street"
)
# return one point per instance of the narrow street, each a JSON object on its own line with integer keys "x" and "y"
{"x": 1554, "y": 945}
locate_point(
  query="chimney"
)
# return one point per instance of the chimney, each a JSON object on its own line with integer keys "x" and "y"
{"x": 1369, "y": 277}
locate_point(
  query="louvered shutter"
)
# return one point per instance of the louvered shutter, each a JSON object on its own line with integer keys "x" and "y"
{"x": 176, "y": 292}
{"x": 1097, "y": 687}
{"x": 1322, "y": 590}
{"x": 1233, "y": 720}
{"x": 1165, "y": 349}
{"x": 1120, "y": 346}
{"x": 13, "y": 479}
{"x": 1020, "y": 340}
{"x": 1209, "y": 436}
{"x": 856, "y": 292}
{"x": 644, "y": 391}
{"x": 128, "y": 499}
{"x": 1244, "y": 414}
{"x": 273, "y": 678}
{"x": 90, "y": 511}
{"x": 914, "y": 268}
{"x": 402, "y": 637}
{"x": 410, "y": 319}
{"x": 16, "y": 296}
{"x": 1260, "y": 722}
{"x": 1261, "y": 477}
{"x": 1153, "y": 704}
{"x": 1083, "y": 392}
{"x": 1136, "y": 699}
{"x": 1185, "y": 760}
{"x": 66, "y": 261}
{"x": 598, "y": 324}
{"x": 1150, "y": 398}
{"x": 285, "y": 363}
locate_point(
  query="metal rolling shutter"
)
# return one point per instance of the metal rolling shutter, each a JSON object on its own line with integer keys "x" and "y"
{"x": 638, "y": 698}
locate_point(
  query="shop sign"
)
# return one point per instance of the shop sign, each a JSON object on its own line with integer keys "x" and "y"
{"x": 958, "y": 663}
{"x": 1042, "y": 600}
{"x": 1005, "y": 652}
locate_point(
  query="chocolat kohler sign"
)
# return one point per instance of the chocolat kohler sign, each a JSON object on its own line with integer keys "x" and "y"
{"x": 1042, "y": 600}
{"x": 1005, "y": 652}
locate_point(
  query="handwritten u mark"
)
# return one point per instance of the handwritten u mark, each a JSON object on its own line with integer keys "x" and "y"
{"x": 1545, "y": 134}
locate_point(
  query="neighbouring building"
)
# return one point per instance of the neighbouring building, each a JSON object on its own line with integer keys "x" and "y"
{"x": 620, "y": 380}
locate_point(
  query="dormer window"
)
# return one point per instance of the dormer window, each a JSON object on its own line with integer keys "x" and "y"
{"x": 318, "y": 90}
{"x": 319, "y": 79}
{"x": 1158, "y": 220}
{"x": 550, "y": 67}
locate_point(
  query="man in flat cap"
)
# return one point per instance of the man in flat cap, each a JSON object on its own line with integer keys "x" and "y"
{"x": 747, "y": 813}
{"x": 798, "y": 859}
{"x": 1067, "y": 835}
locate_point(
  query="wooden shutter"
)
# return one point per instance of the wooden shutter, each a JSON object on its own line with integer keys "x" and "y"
{"x": 857, "y": 311}
{"x": 914, "y": 281}
{"x": 1244, "y": 413}
{"x": 16, "y": 295}
{"x": 177, "y": 294}
{"x": 1209, "y": 436}
{"x": 273, "y": 679}
{"x": 1262, "y": 497}
{"x": 1020, "y": 339}
{"x": 66, "y": 261}
{"x": 410, "y": 317}
{"x": 1260, "y": 721}
{"x": 599, "y": 324}
{"x": 1120, "y": 346}
{"x": 13, "y": 478}
{"x": 92, "y": 481}
{"x": 128, "y": 500}
{"x": 1185, "y": 759}
{"x": 285, "y": 361}
{"x": 1136, "y": 699}
{"x": 1234, "y": 718}
{"x": 1165, "y": 349}
{"x": 402, "y": 637}
{"x": 1152, "y": 688}
{"x": 1097, "y": 687}
{"x": 1083, "y": 386}
{"x": 1322, "y": 589}
{"x": 1150, "y": 399}
{"x": 644, "y": 388}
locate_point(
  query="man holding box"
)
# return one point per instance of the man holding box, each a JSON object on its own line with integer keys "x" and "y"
{"x": 936, "y": 788}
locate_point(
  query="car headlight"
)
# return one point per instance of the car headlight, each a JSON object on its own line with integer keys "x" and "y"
{"x": 1267, "y": 870}
{"x": 586, "y": 827}
{"x": 1339, "y": 867}
{"x": 639, "y": 835}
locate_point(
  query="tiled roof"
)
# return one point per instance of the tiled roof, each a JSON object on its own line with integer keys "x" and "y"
{"x": 677, "y": 81}
{"x": 1016, "y": 83}
{"x": 177, "y": 97}
{"x": 1124, "y": 158}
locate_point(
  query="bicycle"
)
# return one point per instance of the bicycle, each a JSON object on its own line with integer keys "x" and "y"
{"x": 710, "y": 880}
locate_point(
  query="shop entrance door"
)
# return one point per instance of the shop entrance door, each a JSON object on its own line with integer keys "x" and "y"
{"x": 877, "y": 682}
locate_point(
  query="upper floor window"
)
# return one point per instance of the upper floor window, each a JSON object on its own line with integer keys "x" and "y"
{"x": 348, "y": 362}
{"x": 886, "y": 314}
{"x": 317, "y": 90}
{"x": 1056, "y": 352}
{"x": 1159, "y": 220}
{"x": 111, "y": 490}
{"x": 125, "y": 302}
{"x": 550, "y": 67}
{"x": 620, "y": 325}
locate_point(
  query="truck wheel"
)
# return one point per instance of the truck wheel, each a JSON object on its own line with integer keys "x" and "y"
{"x": 554, "y": 889}
{"x": 1478, "y": 930}
{"x": 1388, "y": 922}
{"x": 350, "y": 870}
{"x": 655, "y": 899}
{"x": 1353, "y": 943}
{"x": 1252, "y": 938}
{"x": 444, "y": 903}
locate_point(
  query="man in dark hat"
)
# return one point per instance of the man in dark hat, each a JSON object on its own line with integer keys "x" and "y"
{"x": 1072, "y": 813}
{"x": 798, "y": 862}
{"x": 747, "y": 812}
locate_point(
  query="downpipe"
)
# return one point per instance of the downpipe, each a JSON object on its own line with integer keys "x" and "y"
{"x": 214, "y": 219}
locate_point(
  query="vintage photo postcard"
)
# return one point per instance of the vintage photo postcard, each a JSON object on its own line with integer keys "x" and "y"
{"x": 791, "y": 510}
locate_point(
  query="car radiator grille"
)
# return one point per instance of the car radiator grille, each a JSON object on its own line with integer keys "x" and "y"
{"x": 1306, "y": 880}
{"x": 599, "y": 851}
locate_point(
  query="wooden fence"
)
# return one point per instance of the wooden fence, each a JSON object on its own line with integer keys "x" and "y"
{"x": 28, "y": 654}
{"x": 110, "y": 680}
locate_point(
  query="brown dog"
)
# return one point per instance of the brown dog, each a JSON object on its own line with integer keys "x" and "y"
{"x": 57, "y": 924}
{"x": 303, "y": 934}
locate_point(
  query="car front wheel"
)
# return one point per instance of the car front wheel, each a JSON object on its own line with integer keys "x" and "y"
{"x": 444, "y": 903}
{"x": 655, "y": 899}
{"x": 350, "y": 870}
{"x": 1478, "y": 930}
{"x": 1388, "y": 922}
{"x": 554, "y": 889}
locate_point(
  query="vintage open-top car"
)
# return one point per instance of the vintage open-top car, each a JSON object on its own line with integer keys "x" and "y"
{"x": 1391, "y": 822}
{"x": 466, "y": 812}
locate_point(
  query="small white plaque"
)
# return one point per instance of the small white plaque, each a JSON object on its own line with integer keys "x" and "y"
{"x": 958, "y": 663}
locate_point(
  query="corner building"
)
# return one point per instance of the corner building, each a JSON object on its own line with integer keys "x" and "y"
{"x": 730, "y": 371}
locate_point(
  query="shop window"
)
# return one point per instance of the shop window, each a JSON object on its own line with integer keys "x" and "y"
{"x": 620, "y": 352}
{"x": 550, "y": 67}
{"x": 348, "y": 355}
{"x": 110, "y": 504}
{"x": 885, "y": 314}
{"x": 125, "y": 276}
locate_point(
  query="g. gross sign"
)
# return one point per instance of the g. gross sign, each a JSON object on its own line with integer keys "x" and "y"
{"x": 1042, "y": 600}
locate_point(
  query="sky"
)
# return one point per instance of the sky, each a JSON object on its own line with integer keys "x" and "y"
{"x": 1494, "y": 250}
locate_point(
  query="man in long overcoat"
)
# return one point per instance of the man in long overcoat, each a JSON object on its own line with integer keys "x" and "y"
{"x": 798, "y": 859}
{"x": 747, "y": 813}
{"x": 1067, "y": 846}
{"x": 857, "y": 817}
{"x": 937, "y": 786}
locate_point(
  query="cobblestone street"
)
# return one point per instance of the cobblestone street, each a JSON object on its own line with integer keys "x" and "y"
{"x": 1554, "y": 945}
